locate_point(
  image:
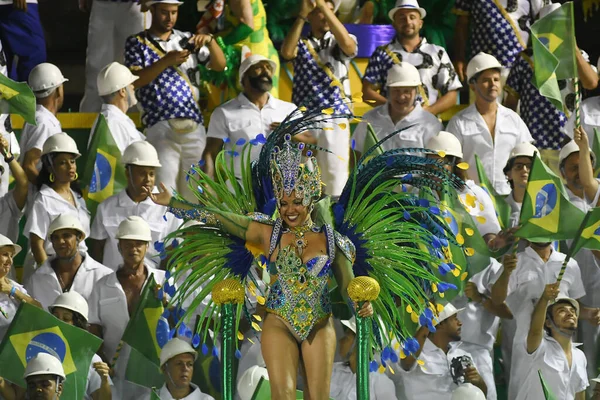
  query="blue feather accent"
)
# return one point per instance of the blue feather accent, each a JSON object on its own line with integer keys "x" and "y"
{"x": 239, "y": 260}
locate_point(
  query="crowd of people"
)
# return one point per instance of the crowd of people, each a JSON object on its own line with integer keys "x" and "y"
{"x": 90, "y": 272}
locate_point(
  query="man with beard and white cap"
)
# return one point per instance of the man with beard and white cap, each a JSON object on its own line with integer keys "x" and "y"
{"x": 254, "y": 111}
{"x": 550, "y": 350}
{"x": 115, "y": 87}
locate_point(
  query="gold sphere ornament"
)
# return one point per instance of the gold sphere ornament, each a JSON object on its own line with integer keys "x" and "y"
{"x": 228, "y": 291}
{"x": 363, "y": 288}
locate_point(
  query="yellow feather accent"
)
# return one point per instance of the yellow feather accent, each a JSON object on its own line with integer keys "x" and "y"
{"x": 261, "y": 300}
{"x": 240, "y": 336}
{"x": 469, "y": 251}
{"x": 327, "y": 111}
{"x": 460, "y": 239}
{"x": 256, "y": 327}
{"x": 409, "y": 309}
{"x": 464, "y": 276}
{"x": 434, "y": 288}
{"x": 469, "y": 231}
{"x": 481, "y": 219}
{"x": 257, "y": 317}
{"x": 463, "y": 165}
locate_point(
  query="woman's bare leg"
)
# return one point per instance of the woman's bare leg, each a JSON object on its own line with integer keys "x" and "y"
{"x": 281, "y": 353}
{"x": 318, "y": 352}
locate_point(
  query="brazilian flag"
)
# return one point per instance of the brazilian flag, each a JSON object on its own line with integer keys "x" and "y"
{"x": 17, "y": 98}
{"x": 553, "y": 42}
{"x": 34, "y": 331}
{"x": 596, "y": 151}
{"x": 502, "y": 208}
{"x": 104, "y": 175}
{"x": 547, "y": 214}
{"x": 589, "y": 233}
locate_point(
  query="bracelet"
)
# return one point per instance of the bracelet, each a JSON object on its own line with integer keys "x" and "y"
{"x": 12, "y": 292}
{"x": 10, "y": 159}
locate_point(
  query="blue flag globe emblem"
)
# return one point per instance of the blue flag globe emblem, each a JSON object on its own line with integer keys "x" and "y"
{"x": 102, "y": 174}
{"x": 545, "y": 200}
{"x": 162, "y": 332}
{"x": 597, "y": 231}
{"x": 46, "y": 342}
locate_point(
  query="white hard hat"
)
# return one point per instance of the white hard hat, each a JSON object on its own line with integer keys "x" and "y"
{"x": 175, "y": 347}
{"x": 569, "y": 149}
{"x": 524, "y": 149}
{"x": 141, "y": 153}
{"x": 448, "y": 311}
{"x": 44, "y": 364}
{"x": 253, "y": 60}
{"x": 71, "y": 301}
{"x": 563, "y": 298}
{"x": 467, "y": 391}
{"x": 114, "y": 77}
{"x": 446, "y": 142}
{"x": 407, "y": 5}
{"x": 153, "y": 2}
{"x": 134, "y": 228}
{"x": 65, "y": 221}
{"x": 44, "y": 78}
{"x": 4, "y": 241}
{"x": 547, "y": 9}
{"x": 60, "y": 143}
{"x": 249, "y": 381}
{"x": 404, "y": 75}
{"x": 480, "y": 63}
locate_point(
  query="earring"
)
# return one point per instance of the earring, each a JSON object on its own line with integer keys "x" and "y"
{"x": 51, "y": 177}
{"x": 76, "y": 176}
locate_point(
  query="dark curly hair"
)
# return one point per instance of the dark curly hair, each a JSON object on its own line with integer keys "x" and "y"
{"x": 44, "y": 176}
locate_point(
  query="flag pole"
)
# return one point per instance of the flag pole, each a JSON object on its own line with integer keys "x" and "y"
{"x": 577, "y": 102}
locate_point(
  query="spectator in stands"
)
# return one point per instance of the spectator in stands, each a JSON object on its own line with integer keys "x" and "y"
{"x": 23, "y": 37}
{"x": 70, "y": 269}
{"x": 71, "y": 308}
{"x": 46, "y": 81}
{"x": 426, "y": 374}
{"x": 401, "y": 112}
{"x": 440, "y": 82}
{"x": 321, "y": 62}
{"x": 44, "y": 376}
{"x": 165, "y": 60}
{"x": 115, "y": 86}
{"x": 6, "y": 130}
{"x": 111, "y": 23}
{"x": 141, "y": 163}
{"x": 590, "y": 118}
{"x": 551, "y": 351}
{"x": 177, "y": 359}
{"x": 13, "y": 202}
{"x": 11, "y": 293}
{"x": 254, "y": 111}
{"x": 486, "y": 128}
{"x": 59, "y": 193}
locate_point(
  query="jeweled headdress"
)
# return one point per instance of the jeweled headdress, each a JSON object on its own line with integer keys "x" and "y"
{"x": 289, "y": 173}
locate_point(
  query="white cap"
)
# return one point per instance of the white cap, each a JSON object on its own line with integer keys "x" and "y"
{"x": 448, "y": 311}
{"x": 60, "y": 143}
{"x": 251, "y": 60}
{"x": 407, "y": 5}
{"x": 44, "y": 78}
{"x": 4, "y": 241}
{"x": 134, "y": 228}
{"x": 153, "y": 2}
{"x": 547, "y": 9}
{"x": 44, "y": 364}
{"x": 141, "y": 153}
{"x": 249, "y": 381}
{"x": 562, "y": 298}
{"x": 446, "y": 142}
{"x": 65, "y": 221}
{"x": 569, "y": 149}
{"x": 467, "y": 391}
{"x": 524, "y": 149}
{"x": 403, "y": 75}
{"x": 175, "y": 347}
{"x": 114, "y": 77}
{"x": 71, "y": 301}
{"x": 480, "y": 63}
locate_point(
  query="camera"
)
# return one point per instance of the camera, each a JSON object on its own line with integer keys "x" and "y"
{"x": 187, "y": 45}
{"x": 458, "y": 366}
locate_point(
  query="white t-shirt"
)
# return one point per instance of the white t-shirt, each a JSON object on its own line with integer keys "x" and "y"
{"x": 10, "y": 215}
{"x": 10, "y": 307}
{"x": 34, "y": 136}
{"x": 121, "y": 127}
{"x": 590, "y": 119}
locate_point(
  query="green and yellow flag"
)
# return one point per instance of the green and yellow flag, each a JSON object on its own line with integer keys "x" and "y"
{"x": 547, "y": 214}
{"x": 553, "y": 42}
{"x": 502, "y": 208}
{"x": 104, "y": 175}
{"x": 17, "y": 98}
{"x": 596, "y": 151}
{"x": 34, "y": 331}
{"x": 589, "y": 233}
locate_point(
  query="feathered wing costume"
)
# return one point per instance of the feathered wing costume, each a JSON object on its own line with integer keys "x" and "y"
{"x": 377, "y": 228}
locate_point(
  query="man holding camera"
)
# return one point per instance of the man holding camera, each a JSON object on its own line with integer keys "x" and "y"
{"x": 166, "y": 60}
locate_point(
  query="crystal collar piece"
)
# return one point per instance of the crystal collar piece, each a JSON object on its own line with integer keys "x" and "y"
{"x": 299, "y": 231}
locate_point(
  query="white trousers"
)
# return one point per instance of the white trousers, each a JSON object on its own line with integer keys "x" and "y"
{"x": 334, "y": 136}
{"x": 111, "y": 23}
{"x": 482, "y": 358}
{"x": 177, "y": 152}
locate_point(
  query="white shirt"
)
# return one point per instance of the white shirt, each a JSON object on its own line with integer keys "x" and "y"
{"x": 108, "y": 308}
{"x": 112, "y": 211}
{"x": 10, "y": 215}
{"x": 121, "y": 127}
{"x": 241, "y": 119}
{"x": 425, "y": 125}
{"x": 590, "y": 119}
{"x": 196, "y": 394}
{"x": 15, "y": 151}
{"x": 94, "y": 380}
{"x": 515, "y": 209}
{"x": 9, "y": 306}
{"x": 343, "y": 384}
{"x": 33, "y": 137}
{"x": 481, "y": 208}
{"x": 472, "y": 131}
{"x": 47, "y": 206}
{"x": 550, "y": 358}
{"x": 44, "y": 286}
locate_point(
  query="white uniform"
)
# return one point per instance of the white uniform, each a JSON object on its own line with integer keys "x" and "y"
{"x": 94, "y": 380}
{"x": 590, "y": 119}
{"x": 34, "y": 136}
{"x": 472, "y": 131}
{"x": 10, "y": 215}
{"x": 424, "y": 126}
{"x": 112, "y": 211}
{"x": 15, "y": 150}
{"x": 343, "y": 384}
{"x": 9, "y": 306}
{"x": 550, "y": 359}
{"x": 121, "y": 127}
{"x": 239, "y": 119}
{"x": 44, "y": 286}
{"x": 196, "y": 394}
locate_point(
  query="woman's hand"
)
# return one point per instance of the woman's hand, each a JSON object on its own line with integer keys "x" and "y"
{"x": 366, "y": 310}
{"x": 163, "y": 197}
{"x": 5, "y": 285}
